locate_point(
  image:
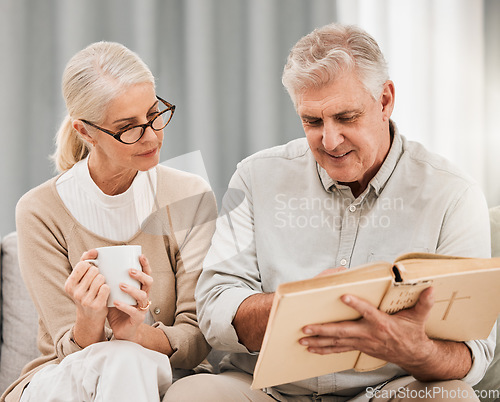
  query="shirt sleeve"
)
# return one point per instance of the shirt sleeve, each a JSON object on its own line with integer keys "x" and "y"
{"x": 466, "y": 232}
{"x": 230, "y": 270}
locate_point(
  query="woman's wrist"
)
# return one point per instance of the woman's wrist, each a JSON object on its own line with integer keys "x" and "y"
{"x": 86, "y": 332}
{"x": 154, "y": 339}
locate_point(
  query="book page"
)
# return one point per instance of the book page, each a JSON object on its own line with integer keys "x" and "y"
{"x": 402, "y": 295}
{"x": 423, "y": 268}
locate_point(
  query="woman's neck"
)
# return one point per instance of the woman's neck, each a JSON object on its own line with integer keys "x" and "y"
{"x": 111, "y": 183}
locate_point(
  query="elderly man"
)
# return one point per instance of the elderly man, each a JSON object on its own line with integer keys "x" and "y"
{"x": 353, "y": 191}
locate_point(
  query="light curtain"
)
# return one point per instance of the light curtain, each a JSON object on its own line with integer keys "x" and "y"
{"x": 443, "y": 56}
{"x": 220, "y": 62}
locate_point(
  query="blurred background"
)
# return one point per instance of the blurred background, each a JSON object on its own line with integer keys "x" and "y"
{"x": 220, "y": 63}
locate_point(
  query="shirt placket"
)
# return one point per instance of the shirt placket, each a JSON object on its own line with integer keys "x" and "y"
{"x": 348, "y": 231}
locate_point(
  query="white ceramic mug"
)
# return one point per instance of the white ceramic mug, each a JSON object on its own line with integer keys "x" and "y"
{"x": 114, "y": 263}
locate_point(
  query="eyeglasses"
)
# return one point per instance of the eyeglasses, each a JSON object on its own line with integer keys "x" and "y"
{"x": 133, "y": 134}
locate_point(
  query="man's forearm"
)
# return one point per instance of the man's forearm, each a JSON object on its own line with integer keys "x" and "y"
{"x": 447, "y": 360}
{"x": 251, "y": 319}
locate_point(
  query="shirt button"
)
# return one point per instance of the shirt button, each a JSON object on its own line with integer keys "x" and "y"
{"x": 157, "y": 310}
{"x": 352, "y": 208}
{"x": 343, "y": 262}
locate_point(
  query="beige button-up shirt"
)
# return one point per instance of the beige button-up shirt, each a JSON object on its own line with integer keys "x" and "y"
{"x": 284, "y": 219}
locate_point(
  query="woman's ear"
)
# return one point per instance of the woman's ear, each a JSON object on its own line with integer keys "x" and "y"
{"x": 387, "y": 100}
{"x": 82, "y": 131}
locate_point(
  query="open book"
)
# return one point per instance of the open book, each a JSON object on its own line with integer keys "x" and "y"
{"x": 466, "y": 306}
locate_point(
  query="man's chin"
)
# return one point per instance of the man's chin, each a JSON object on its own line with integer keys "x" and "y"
{"x": 340, "y": 177}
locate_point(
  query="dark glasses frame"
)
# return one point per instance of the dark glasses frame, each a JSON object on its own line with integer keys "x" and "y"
{"x": 117, "y": 135}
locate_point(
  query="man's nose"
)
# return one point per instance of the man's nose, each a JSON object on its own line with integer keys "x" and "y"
{"x": 332, "y": 136}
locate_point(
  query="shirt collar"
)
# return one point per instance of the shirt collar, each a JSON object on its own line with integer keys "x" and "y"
{"x": 380, "y": 179}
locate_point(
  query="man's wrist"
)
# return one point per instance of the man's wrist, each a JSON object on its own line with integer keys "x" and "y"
{"x": 444, "y": 360}
{"x": 422, "y": 360}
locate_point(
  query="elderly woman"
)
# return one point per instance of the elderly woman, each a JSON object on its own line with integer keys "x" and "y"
{"x": 111, "y": 191}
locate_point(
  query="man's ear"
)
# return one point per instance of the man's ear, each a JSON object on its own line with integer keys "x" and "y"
{"x": 82, "y": 131}
{"x": 387, "y": 99}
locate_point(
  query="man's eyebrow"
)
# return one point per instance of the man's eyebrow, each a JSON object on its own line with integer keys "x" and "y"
{"x": 348, "y": 112}
{"x": 307, "y": 117}
{"x": 134, "y": 118}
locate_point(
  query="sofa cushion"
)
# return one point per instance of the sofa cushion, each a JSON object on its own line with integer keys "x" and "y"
{"x": 488, "y": 388}
{"x": 0, "y": 300}
{"x": 19, "y": 317}
{"x": 495, "y": 231}
{"x": 491, "y": 381}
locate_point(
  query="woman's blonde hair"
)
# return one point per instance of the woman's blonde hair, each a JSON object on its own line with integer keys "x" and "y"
{"x": 92, "y": 78}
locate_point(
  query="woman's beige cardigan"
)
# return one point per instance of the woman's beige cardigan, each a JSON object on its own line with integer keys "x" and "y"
{"x": 175, "y": 239}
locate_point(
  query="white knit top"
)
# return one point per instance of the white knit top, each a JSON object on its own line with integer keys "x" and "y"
{"x": 116, "y": 217}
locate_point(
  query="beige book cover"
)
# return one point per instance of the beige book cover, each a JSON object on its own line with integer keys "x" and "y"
{"x": 466, "y": 306}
